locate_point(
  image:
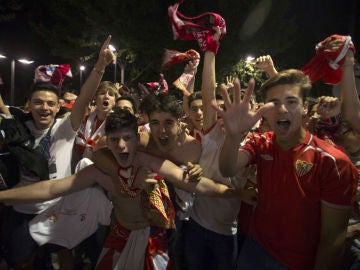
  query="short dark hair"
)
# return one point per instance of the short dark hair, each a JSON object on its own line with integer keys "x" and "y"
{"x": 120, "y": 119}
{"x": 44, "y": 86}
{"x": 161, "y": 103}
{"x": 194, "y": 96}
{"x": 131, "y": 99}
{"x": 289, "y": 76}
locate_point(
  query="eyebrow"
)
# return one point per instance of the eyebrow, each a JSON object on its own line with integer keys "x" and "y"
{"x": 287, "y": 98}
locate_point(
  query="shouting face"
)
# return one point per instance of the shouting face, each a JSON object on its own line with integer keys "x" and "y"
{"x": 123, "y": 144}
{"x": 164, "y": 130}
{"x": 285, "y": 118}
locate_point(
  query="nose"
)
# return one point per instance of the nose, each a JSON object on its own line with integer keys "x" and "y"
{"x": 44, "y": 106}
{"x": 121, "y": 144}
{"x": 162, "y": 128}
{"x": 282, "y": 108}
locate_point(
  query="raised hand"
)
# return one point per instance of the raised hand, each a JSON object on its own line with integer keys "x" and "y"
{"x": 238, "y": 117}
{"x": 328, "y": 107}
{"x": 191, "y": 66}
{"x": 266, "y": 63}
{"x": 229, "y": 82}
{"x": 106, "y": 56}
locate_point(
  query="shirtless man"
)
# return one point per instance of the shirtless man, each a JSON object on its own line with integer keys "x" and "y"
{"x": 131, "y": 219}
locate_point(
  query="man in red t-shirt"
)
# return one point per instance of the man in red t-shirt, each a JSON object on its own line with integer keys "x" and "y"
{"x": 306, "y": 187}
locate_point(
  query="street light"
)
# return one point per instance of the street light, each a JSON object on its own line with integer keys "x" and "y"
{"x": 12, "y": 89}
{"x": 250, "y": 58}
{"x": 113, "y": 49}
{"x": 82, "y": 68}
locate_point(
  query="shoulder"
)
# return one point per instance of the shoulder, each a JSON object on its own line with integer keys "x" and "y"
{"x": 63, "y": 125}
{"x": 330, "y": 158}
{"x": 191, "y": 148}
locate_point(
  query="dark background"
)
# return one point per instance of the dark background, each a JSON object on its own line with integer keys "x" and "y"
{"x": 22, "y": 28}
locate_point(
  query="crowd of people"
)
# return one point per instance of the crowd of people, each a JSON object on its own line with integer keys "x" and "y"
{"x": 221, "y": 180}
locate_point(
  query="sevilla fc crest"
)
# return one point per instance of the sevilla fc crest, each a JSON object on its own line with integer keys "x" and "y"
{"x": 302, "y": 167}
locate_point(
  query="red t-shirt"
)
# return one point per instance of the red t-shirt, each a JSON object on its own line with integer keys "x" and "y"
{"x": 292, "y": 185}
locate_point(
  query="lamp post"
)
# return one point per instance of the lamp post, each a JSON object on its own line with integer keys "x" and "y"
{"x": 12, "y": 80}
{"x": 113, "y": 49}
{"x": 12, "y": 91}
{"x": 82, "y": 68}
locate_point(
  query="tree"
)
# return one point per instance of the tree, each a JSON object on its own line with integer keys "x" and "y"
{"x": 141, "y": 30}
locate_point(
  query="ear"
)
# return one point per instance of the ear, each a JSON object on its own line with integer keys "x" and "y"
{"x": 305, "y": 108}
{"x": 58, "y": 107}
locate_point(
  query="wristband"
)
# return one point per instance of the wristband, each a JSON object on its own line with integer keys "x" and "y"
{"x": 100, "y": 72}
{"x": 212, "y": 45}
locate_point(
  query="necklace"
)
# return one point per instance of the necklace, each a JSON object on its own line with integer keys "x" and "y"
{"x": 127, "y": 177}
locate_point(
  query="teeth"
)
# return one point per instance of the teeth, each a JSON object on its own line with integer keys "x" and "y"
{"x": 106, "y": 103}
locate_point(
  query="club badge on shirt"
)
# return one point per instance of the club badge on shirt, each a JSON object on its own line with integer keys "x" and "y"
{"x": 302, "y": 167}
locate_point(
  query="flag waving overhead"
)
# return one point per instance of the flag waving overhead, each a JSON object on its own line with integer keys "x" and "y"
{"x": 53, "y": 73}
{"x": 326, "y": 64}
{"x": 199, "y": 27}
{"x": 172, "y": 57}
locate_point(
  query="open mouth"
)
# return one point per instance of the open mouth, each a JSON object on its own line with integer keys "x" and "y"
{"x": 44, "y": 115}
{"x": 106, "y": 103}
{"x": 163, "y": 141}
{"x": 283, "y": 125}
{"x": 123, "y": 156}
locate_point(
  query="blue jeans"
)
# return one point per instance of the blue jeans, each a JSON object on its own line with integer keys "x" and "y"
{"x": 253, "y": 256}
{"x": 205, "y": 249}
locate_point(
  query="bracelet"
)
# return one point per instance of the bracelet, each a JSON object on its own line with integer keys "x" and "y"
{"x": 100, "y": 72}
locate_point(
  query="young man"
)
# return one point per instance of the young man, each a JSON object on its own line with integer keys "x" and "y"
{"x": 128, "y": 245}
{"x": 210, "y": 240}
{"x": 195, "y": 115}
{"x": 306, "y": 187}
{"x": 54, "y": 139}
{"x": 127, "y": 102}
{"x": 92, "y": 128}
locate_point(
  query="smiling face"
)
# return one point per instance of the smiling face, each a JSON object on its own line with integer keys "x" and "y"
{"x": 123, "y": 144}
{"x": 164, "y": 130}
{"x": 286, "y": 117}
{"x": 44, "y": 106}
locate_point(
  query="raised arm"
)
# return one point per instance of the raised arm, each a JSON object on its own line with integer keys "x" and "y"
{"x": 190, "y": 68}
{"x": 88, "y": 89}
{"x": 208, "y": 85}
{"x": 238, "y": 120}
{"x": 350, "y": 103}
{"x": 266, "y": 63}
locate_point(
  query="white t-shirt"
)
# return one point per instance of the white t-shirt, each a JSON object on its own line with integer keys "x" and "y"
{"x": 62, "y": 140}
{"x": 215, "y": 214}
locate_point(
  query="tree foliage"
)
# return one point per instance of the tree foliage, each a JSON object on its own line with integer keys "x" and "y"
{"x": 141, "y": 30}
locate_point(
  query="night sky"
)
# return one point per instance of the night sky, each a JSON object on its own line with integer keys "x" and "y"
{"x": 315, "y": 19}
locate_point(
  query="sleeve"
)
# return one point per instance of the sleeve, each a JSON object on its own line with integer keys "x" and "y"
{"x": 339, "y": 182}
{"x": 64, "y": 129}
{"x": 249, "y": 146}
